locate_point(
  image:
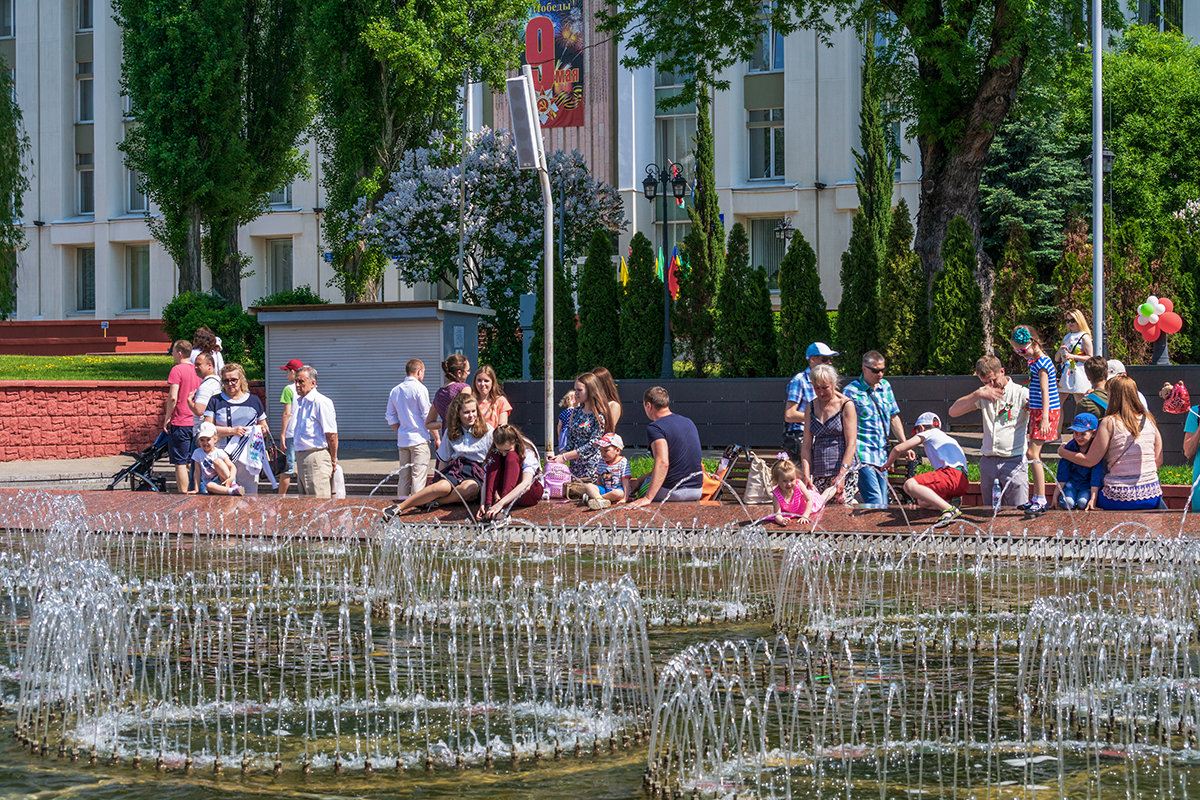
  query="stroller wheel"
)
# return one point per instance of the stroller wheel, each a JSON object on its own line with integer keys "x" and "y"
{"x": 140, "y": 483}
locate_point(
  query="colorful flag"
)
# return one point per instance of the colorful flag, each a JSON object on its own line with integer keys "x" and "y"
{"x": 673, "y": 272}
{"x": 624, "y": 272}
{"x": 658, "y": 266}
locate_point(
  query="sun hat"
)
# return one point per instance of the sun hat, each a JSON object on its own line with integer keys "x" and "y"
{"x": 1115, "y": 368}
{"x": 207, "y": 431}
{"x": 295, "y": 363}
{"x": 819, "y": 349}
{"x": 1084, "y": 422}
{"x": 612, "y": 440}
{"x": 928, "y": 420}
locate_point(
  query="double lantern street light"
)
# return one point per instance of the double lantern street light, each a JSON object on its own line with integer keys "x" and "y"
{"x": 671, "y": 179}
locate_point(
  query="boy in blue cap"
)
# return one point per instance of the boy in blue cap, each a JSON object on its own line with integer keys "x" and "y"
{"x": 1079, "y": 486}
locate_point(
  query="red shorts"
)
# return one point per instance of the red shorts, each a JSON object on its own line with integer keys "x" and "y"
{"x": 946, "y": 482}
{"x": 1035, "y": 423}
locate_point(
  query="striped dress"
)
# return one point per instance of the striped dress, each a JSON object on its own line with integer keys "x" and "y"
{"x": 1035, "y": 384}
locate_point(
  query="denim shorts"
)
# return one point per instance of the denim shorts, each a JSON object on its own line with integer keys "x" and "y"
{"x": 290, "y": 446}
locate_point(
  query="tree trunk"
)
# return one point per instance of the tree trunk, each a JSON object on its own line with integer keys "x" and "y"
{"x": 951, "y": 167}
{"x": 225, "y": 260}
{"x": 193, "y": 257}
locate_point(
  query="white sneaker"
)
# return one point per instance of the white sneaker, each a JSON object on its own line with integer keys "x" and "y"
{"x": 598, "y": 503}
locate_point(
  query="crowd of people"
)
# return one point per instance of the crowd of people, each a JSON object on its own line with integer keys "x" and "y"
{"x": 460, "y": 446}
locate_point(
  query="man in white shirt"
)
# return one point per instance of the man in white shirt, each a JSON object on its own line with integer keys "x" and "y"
{"x": 210, "y": 385}
{"x": 1005, "y": 407}
{"x": 315, "y": 436}
{"x": 407, "y": 408}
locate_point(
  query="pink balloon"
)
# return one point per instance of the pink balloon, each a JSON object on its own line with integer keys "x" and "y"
{"x": 1166, "y": 301}
{"x": 1150, "y": 333}
{"x": 1139, "y": 325}
{"x": 1170, "y": 322}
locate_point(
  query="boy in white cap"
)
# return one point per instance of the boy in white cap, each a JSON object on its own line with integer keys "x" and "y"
{"x": 217, "y": 473}
{"x": 612, "y": 476}
{"x": 949, "y": 477}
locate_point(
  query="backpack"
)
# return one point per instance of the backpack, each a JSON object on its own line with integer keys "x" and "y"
{"x": 554, "y": 478}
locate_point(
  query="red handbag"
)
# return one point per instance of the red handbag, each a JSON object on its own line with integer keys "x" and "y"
{"x": 1178, "y": 401}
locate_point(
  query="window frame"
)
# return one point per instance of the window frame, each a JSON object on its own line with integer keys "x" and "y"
{"x": 132, "y": 251}
{"x": 776, "y": 143}
{"x": 286, "y": 202}
{"x": 756, "y": 259}
{"x": 85, "y": 166}
{"x": 11, "y": 7}
{"x": 89, "y": 23}
{"x": 132, "y": 189}
{"x": 273, "y": 283}
{"x": 80, "y": 288}
{"x": 774, "y": 44}
{"x": 83, "y": 77}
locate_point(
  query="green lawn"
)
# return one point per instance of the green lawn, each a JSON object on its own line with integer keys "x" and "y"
{"x": 85, "y": 368}
{"x": 1168, "y": 476}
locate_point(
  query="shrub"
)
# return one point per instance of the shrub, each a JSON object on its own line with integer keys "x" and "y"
{"x": 903, "y": 319}
{"x": 858, "y": 327}
{"x": 759, "y": 329}
{"x": 642, "y": 314}
{"x": 302, "y": 295}
{"x": 241, "y": 335}
{"x": 956, "y": 317}
{"x": 802, "y": 317}
{"x": 599, "y": 306}
{"x": 565, "y": 341}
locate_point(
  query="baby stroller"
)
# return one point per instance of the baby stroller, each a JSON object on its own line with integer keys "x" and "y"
{"x": 141, "y": 472}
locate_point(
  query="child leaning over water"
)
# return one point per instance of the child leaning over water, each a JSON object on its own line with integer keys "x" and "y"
{"x": 793, "y": 500}
{"x": 949, "y": 477}
{"x": 1078, "y": 487}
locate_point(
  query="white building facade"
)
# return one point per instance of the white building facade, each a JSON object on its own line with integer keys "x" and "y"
{"x": 783, "y": 135}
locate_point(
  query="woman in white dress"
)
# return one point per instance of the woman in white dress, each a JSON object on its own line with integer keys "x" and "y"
{"x": 1076, "y": 348}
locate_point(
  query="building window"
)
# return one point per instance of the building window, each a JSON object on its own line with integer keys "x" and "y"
{"x": 85, "y": 279}
{"x": 87, "y": 183}
{"x": 279, "y": 265}
{"x": 674, "y": 146}
{"x": 281, "y": 196}
{"x": 85, "y": 15}
{"x": 766, "y": 143}
{"x": 766, "y": 250}
{"x": 137, "y": 198}
{"x": 768, "y": 50}
{"x": 137, "y": 277}
{"x": 1166, "y": 15}
{"x": 87, "y": 107}
{"x": 8, "y": 26}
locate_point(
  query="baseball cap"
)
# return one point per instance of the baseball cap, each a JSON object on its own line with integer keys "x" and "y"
{"x": 207, "y": 431}
{"x": 928, "y": 420}
{"x": 1115, "y": 368}
{"x": 1084, "y": 422}
{"x": 819, "y": 349}
{"x": 612, "y": 440}
{"x": 295, "y": 363}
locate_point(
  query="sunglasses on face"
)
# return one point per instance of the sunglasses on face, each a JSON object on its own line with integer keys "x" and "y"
{"x": 229, "y": 380}
{"x": 877, "y": 370}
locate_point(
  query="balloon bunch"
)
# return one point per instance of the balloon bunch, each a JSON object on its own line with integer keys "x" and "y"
{"x": 1157, "y": 316}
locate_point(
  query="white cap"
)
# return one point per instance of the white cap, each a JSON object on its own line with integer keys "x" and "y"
{"x": 207, "y": 431}
{"x": 928, "y": 420}
{"x": 612, "y": 440}
{"x": 1115, "y": 368}
{"x": 819, "y": 349}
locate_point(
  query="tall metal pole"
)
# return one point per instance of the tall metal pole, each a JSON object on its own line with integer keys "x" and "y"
{"x": 550, "y": 443}
{"x": 1097, "y": 184}
{"x": 668, "y": 357}
{"x": 462, "y": 176}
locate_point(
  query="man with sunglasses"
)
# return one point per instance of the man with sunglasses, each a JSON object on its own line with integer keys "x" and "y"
{"x": 800, "y": 393}
{"x": 877, "y": 412}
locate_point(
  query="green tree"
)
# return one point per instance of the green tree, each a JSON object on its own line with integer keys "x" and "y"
{"x": 1129, "y": 276}
{"x": 736, "y": 303}
{"x": 566, "y": 342}
{"x": 955, "y": 319}
{"x": 874, "y": 169}
{"x": 693, "y": 318}
{"x": 858, "y": 313}
{"x": 599, "y": 307}
{"x": 802, "y": 310}
{"x": 952, "y": 68}
{"x": 1152, "y": 120}
{"x": 641, "y": 317}
{"x": 1033, "y": 178}
{"x": 1072, "y": 275}
{"x": 390, "y": 75}
{"x": 762, "y": 356}
{"x": 903, "y": 318}
{"x": 14, "y": 147}
{"x": 1013, "y": 293}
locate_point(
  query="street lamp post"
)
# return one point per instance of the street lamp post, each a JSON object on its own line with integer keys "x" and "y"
{"x": 1100, "y": 172}
{"x": 784, "y": 232}
{"x": 672, "y": 179}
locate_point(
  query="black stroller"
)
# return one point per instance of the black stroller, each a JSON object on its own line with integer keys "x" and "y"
{"x": 141, "y": 472}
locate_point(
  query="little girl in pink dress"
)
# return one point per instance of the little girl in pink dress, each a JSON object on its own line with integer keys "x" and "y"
{"x": 795, "y": 501}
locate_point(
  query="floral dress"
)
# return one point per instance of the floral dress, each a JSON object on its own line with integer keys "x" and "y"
{"x": 584, "y": 430}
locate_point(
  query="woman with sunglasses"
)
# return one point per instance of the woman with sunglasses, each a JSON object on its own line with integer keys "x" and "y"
{"x": 235, "y": 412}
{"x": 1076, "y": 348}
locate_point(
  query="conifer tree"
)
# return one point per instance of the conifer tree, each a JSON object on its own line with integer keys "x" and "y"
{"x": 641, "y": 318}
{"x": 955, "y": 316}
{"x": 1072, "y": 275}
{"x": 802, "y": 311}
{"x": 759, "y": 329}
{"x": 874, "y": 167}
{"x": 903, "y": 316}
{"x": 734, "y": 300}
{"x": 858, "y": 313}
{"x": 599, "y": 305}
{"x": 1013, "y": 293}
{"x": 693, "y": 318}
{"x": 565, "y": 338}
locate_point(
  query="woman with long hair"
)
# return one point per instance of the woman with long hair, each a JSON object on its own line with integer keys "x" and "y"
{"x": 1076, "y": 348}
{"x": 464, "y": 450}
{"x": 1129, "y": 442}
{"x": 612, "y": 398}
{"x": 584, "y": 429}
{"x": 513, "y": 471}
{"x": 205, "y": 341}
{"x": 493, "y": 405}
{"x": 455, "y": 370}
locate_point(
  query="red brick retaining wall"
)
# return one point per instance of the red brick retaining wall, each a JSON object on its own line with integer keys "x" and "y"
{"x": 72, "y": 419}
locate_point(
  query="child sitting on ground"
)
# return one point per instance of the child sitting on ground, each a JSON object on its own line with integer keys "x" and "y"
{"x": 949, "y": 477}
{"x": 217, "y": 473}
{"x": 1078, "y": 487}
{"x": 793, "y": 500}
{"x": 512, "y": 474}
{"x": 613, "y": 475}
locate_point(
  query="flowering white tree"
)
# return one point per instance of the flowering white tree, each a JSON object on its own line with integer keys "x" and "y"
{"x": 417, "y": 225}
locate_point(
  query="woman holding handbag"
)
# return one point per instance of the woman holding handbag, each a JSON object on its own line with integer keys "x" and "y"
{"x": 1076, "y": 348}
